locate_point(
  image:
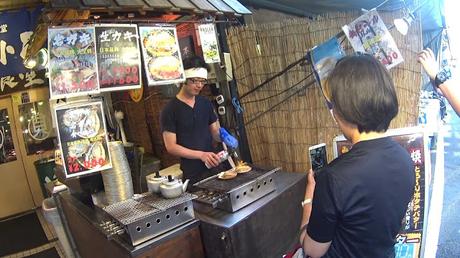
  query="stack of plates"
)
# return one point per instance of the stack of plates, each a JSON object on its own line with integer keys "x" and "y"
{"x": 117, "y": 180}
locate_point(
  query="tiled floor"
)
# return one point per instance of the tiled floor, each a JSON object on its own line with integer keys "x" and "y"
{"x": 50, "y": 234}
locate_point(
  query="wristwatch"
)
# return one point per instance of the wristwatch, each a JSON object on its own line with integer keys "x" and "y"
{"x": 306, "y": 201}
{"x": 442, "y": 76}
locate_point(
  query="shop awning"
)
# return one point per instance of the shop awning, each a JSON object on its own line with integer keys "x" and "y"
{"x": 226, "y": 7}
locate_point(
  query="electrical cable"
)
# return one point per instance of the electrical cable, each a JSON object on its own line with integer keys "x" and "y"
{"x": 274, "y": 76}
{"x": 279, "y": 93}
{"x": 281, "y": 102}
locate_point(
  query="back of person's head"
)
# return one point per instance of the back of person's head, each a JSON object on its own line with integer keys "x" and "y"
{"x": 362, "y": 93}
{"x": 195, "y": 62}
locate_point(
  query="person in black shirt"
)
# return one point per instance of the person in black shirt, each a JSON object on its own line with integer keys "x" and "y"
{"x": 189, "y": 124}
{"x": 354, "y": 206}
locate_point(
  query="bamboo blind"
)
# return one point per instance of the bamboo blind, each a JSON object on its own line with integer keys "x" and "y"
{"x": 282, "y": 136}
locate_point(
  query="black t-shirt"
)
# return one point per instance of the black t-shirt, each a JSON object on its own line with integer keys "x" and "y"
{"x": 360, "y": 199}
{"x": 191, "y": 126}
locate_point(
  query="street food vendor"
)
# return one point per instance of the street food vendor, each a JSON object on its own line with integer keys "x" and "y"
{"x": 189, "y": 124}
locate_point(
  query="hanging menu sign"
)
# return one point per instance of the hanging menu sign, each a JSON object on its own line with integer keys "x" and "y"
{"x": 118, "y": 57}
{"x": 162, "y": 58}
{"x": 410, "y": 238}
{"x": 209, "y": 44}
{"x": 369, "y": 34}
{"x": 72, "y": 62}
{"x": 83, "y": 138}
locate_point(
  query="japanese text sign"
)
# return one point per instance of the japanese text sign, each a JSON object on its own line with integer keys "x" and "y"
{"x": 16, "y": 29}
{"x": 72, "y": 62}
{"x": 82, "y": 138}
{"x": 118, "y": 57}
{"x": 369, "y": 34}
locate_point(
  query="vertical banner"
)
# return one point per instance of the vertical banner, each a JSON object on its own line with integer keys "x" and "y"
{"x": 82, "y": 137}
{"x": 118, "y": 57}
{"x": 72, "y": 62}
{"x": 209, "y": 43}
{"x": 162, "y": 58}
{"x": 410, "y": 238}
{"x": 369, "y": 34}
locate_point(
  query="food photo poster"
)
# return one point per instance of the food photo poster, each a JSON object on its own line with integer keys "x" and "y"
{"x": 162, "y": 57}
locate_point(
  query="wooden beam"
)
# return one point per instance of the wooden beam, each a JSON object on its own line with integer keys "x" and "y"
{"x": 17, "y": 4}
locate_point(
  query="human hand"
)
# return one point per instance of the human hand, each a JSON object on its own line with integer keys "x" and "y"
{"x": 210, "y": 159}
{"x": 311, "y": 183}
{"x": 429, "y": 63}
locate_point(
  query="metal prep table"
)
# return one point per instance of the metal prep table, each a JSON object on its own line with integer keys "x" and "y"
{"x": 267, "y": 228}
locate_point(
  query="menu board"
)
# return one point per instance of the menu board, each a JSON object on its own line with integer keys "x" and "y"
{"x": 414, "y": 140}
{"x": 369, "y": 34}
{"x": 118, "y": 57}
{"x": 72, "y": 62}
{"x": 162, "y": 58}
{"x": 209, "y": 44}
{"x": 83, "y": 138}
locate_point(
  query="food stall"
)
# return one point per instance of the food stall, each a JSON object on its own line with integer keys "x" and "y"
{"x": 95, "y": 57}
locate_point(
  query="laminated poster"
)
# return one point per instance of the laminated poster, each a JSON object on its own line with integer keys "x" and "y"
{"x": 323, "y": 59}
{"x": 72, "y": 62}
{"x": 369, "y": 34}
{"x": 83, "y": 138}
{"x": 118, "y": 57}
{"x": 409, "y": 240}
{"x": 209, "y": 43}
{"x": 162, "y": 57}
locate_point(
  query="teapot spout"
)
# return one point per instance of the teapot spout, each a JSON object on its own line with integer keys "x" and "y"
{"x": 184, "y": 186}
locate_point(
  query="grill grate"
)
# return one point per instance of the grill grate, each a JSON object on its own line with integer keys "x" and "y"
{"x": 138, "y": 208}
{"x": 217, "y": 184}
{"x": 161, "y": 203}
{"x": 129, "y": 211}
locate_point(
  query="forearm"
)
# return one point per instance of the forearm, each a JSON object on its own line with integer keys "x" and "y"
{"x": 305, "y": 218}
{"x": 181, "y": 151}
{"x": 452, "y": 95}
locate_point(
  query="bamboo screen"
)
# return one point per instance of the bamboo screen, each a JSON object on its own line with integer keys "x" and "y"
{"x": 282, "y": 136}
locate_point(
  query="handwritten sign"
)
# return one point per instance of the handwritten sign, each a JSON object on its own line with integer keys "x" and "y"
{"x": 369, "y": 34}
{"x": 209, "y": 44}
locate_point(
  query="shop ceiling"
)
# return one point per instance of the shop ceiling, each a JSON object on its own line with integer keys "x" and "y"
{"x": 431, "y": 10}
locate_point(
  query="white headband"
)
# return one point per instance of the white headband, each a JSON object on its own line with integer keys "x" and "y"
{"x": 196, "y": 73}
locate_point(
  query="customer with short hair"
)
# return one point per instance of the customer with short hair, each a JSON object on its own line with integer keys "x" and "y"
{"x": 355, "y": 205}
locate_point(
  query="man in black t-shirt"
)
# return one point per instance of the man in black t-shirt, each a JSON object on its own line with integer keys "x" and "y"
{"x": 189, "y": 124}
{"x": 355, "y": 205}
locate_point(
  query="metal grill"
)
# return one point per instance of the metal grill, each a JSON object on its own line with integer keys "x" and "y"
{"x": 227, "y": 185}
{"x": 129, "y": 211}
{"x": 147, "y": 216}
{"x": 234, "y": 194}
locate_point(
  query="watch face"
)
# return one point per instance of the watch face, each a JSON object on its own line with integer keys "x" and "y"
{"x": 442, "y": 76}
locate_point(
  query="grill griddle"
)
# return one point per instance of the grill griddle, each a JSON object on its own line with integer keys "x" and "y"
{"x": 233, "y": 194}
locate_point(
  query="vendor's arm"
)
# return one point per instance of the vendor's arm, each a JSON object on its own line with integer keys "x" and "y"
{"x": 214, "y": 129}
{"x": 310, "y": 246}
{"x": 175, "y": 149}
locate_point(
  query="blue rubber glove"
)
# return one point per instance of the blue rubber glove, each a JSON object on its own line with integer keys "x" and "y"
{"x": 228, "y": 139}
